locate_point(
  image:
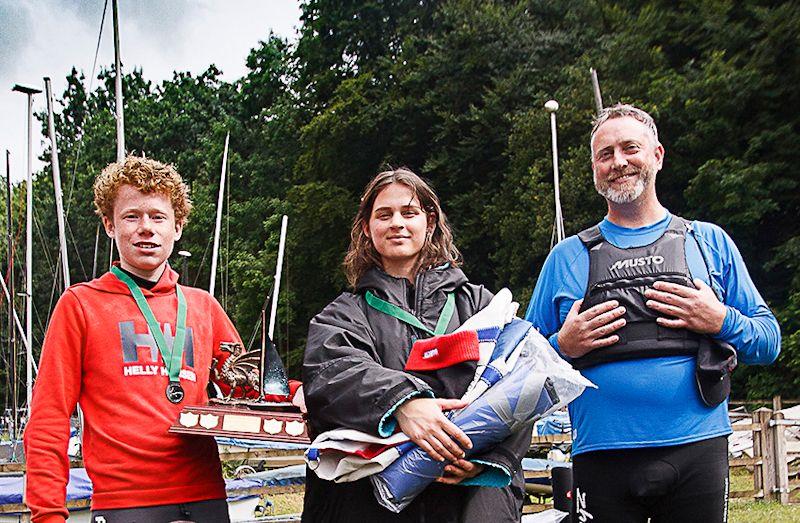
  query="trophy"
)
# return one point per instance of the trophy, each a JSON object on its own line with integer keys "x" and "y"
{"x": 248, "y": 371}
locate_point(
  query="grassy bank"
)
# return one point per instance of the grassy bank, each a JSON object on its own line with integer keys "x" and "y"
{"x": 748, "y": 510}
{"x": 740, "y": 510}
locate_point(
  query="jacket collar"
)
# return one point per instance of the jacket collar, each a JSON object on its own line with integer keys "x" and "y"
{"x": 395, "y": 290}
{"x": 108, "y": 282}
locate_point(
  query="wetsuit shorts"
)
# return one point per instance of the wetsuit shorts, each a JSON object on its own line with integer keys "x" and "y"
{"x": 686, "y": 483}
{"x": 211, "y": 511}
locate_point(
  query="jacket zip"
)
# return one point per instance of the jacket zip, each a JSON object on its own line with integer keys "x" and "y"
{"x": 418, "y": 293}
{"x": 417, "y": 305}
{"x": 411, "y": 332}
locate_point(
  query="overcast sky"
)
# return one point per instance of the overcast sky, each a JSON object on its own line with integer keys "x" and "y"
{"x": 41, "y": 38}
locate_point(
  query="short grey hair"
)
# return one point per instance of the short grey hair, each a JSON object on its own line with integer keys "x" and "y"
{"x": 619, "y": 111}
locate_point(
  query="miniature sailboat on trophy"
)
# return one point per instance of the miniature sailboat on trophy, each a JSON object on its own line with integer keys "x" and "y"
{"x": 250, "y": 372}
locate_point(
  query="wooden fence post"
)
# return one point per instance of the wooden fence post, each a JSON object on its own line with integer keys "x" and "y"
{"x": 781, "y": 463}
{"x": 763, "y": 445}
{"x": 758, "y": 464}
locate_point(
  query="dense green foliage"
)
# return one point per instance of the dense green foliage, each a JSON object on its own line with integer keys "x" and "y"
{"x": 454, "y": 90}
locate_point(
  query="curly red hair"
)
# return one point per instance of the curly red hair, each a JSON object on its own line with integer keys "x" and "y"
{"x": 147, "y": 176}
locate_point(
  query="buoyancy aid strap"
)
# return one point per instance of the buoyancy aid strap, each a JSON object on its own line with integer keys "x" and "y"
{"x": 591, "y": 236}
{"x": 406, "y": 317}
{"x": 678, "y": 225}
{"x": 637, "y": 331}
{"x": 701, "y": 246}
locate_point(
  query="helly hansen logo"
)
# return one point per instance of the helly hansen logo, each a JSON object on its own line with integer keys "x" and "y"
{"x": 131, "y": 341}
{"x": 636, "y": 262}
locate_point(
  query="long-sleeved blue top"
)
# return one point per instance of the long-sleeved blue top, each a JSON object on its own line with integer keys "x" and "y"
{"x": 652, "y": 402}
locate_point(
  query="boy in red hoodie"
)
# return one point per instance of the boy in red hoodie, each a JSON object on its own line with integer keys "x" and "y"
{"x": 132, "y": 347}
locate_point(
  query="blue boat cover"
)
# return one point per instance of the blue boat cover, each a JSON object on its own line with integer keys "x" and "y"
{"x": 80, "y": 487}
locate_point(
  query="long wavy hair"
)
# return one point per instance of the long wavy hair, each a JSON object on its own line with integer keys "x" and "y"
{"x": 438, "y": 247}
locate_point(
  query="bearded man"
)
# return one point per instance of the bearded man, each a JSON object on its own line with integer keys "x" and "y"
{"x": 655, "y": 310}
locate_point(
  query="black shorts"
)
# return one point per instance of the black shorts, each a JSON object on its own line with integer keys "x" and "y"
{"x": 686, "y": 483}
{"x": 211, "y": 511}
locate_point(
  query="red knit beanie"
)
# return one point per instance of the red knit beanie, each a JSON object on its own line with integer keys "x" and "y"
{"x": 443, "y": 351}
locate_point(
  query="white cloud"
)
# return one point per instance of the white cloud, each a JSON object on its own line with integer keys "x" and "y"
{"x": 48, "y": 37}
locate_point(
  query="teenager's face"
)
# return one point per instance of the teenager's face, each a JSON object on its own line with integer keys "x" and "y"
{"x": 144, "y": 229}
{"x": 397, "y": 227}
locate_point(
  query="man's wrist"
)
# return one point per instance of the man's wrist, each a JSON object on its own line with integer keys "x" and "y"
{"x": 563, "y": 348}
{"x": 727, "y": 322}
{"x": 720, "y": 313}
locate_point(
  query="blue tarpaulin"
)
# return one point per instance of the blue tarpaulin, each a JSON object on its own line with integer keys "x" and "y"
{"x": 80, "y": 487}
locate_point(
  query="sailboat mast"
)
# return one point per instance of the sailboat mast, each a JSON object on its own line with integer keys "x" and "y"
{"x": 94, "y": 256}
{"x": 29, "y": 260}
{"x": 276, "y": 289}
{"x": 12, "y": 345}
{"x": 57, "y": 182}
{"x": 29, "y": 92}
{"x": 277, "y": 284}
{"x": 215, "y": 250}
{"x": 598, "y": 98}
{"x": 118, "y": 88}
{"x": 263, "y": 355}
{"x": 118, "y": 104}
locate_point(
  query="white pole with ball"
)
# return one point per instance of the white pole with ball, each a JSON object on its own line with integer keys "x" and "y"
{"x": 551, "y": 106}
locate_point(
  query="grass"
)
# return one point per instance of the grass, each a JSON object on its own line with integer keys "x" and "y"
{"x": 289, "y": 503}
{"x": 746, "y": 511}
{"x": 743, "y": 510}
{"x": 740, "y": 510}
{"x": 741, "y": 479}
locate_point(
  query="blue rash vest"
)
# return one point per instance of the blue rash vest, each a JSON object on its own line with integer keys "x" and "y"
{"x": 654, "y": 402}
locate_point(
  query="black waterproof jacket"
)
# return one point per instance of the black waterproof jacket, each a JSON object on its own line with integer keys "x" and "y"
{"x": 352, "y": 376}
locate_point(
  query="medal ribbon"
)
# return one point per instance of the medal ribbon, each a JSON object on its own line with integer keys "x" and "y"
{"x": 172, "y": 359}
{"x": 406, "y": 317}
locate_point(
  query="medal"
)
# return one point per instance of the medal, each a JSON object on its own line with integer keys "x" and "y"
{"x": 174, "y": 392}
{"x": 172, "y": 357}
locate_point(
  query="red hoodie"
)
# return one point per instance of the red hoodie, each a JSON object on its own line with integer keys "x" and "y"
{"x": 98, "y": 352}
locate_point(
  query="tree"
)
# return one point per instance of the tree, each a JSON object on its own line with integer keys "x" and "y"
{"x": 454, "y": 90}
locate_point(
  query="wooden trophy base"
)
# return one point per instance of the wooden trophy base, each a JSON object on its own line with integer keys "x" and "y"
{"x": 242, "y": 419}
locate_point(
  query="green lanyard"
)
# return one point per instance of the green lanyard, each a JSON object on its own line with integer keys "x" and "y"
{"x": 393, "y": 310}
{"x": 173, "y": 358}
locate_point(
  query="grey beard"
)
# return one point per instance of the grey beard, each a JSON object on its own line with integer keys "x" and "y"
{"x": 628, "y": 195}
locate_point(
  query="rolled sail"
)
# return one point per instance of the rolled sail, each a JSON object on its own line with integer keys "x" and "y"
{"x": 539, "y": 383}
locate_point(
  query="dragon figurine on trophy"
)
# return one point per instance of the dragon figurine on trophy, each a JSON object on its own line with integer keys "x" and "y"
{"x": 250, "y": 374}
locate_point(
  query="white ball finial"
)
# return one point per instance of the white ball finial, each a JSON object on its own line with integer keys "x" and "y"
{"x": 551, "y": 106}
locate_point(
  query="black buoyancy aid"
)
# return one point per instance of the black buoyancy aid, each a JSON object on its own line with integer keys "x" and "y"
{"x": 624, "y": 275}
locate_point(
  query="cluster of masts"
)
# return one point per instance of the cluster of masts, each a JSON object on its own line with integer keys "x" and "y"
{"x": 26, "y": 336}
{"x": 551, "y": 106}
{"x": 27, "y": 333}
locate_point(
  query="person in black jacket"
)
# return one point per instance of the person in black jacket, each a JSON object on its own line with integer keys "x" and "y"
{"x": 402, "y": 253}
